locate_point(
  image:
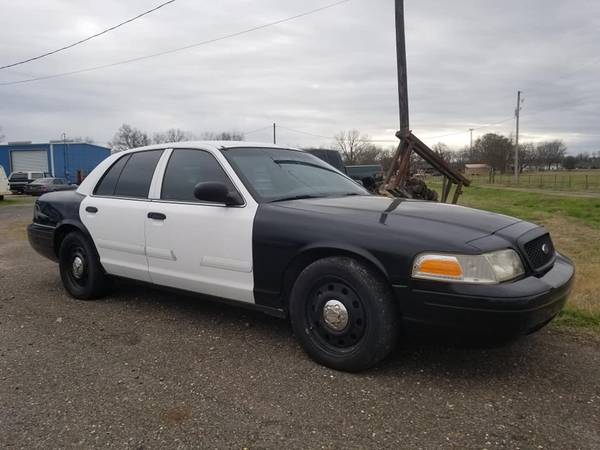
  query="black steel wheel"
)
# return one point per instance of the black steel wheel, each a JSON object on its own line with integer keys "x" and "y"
{"x": 336, "y": 315}
{"x": 80, "y": 269}
{"x": 343, "y": 313}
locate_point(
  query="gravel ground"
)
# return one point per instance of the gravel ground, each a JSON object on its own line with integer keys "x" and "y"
{"x": 148, "y": 369}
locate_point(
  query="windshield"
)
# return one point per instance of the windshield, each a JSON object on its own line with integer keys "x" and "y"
{"x": 19, "y": 176}
{"x": 43, "y": 181}
{"x": 276, "y": 174}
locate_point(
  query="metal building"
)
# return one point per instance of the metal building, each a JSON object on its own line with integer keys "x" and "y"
{"x": 64, "y": 159}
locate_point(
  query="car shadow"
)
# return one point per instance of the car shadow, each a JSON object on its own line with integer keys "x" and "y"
{"x": 436, "y": 353}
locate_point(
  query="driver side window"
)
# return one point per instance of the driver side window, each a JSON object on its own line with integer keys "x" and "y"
{"x": 185, "y": 169}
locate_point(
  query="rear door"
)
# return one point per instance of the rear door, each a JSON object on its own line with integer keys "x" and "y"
{"x": 196, "y": 246}
{"x": 115, "y": 214}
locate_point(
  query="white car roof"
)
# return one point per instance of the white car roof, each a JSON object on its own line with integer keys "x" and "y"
{"x": 211, "y": 145}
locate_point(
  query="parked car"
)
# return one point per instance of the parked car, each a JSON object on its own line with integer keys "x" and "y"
{"x": 18, "y": 180}
{"x": 4, "y": 186}
{"x": 359, "y": 173}
{"x": 281, "y": 231}
{"x": 43, "y": 185}
{"x": 331, "y": 157}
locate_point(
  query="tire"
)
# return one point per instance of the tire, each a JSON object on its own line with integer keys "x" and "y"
{"x": 85, "y": 280}
{"x": 350, "y": 342}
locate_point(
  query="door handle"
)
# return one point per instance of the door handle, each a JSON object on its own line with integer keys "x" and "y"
{"x": 156, "y": 216}
{"x": 91, "y": 209}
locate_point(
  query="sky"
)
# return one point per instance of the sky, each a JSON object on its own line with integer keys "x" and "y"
{"x": 316, "y": 75}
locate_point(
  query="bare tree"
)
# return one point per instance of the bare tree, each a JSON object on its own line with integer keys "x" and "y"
{"x": 352, "y": 145}
{"x": 128, "y": 137}
{"x": 551, "y": 153}
{"x": 172, "y": 135}
{"x": 223, "y": 136}
{"x": 443, "y": 151}
{"x": 1, "y": 135}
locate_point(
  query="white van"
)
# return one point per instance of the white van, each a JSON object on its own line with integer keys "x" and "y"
{"x": 4, "y": 187}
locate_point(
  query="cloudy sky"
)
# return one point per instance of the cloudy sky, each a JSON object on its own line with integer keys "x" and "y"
{"x": 319, "y": 74}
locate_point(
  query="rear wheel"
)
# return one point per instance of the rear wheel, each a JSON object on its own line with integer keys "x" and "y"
{"x": 80, "y": 269}
{"x": 344, "y": 314}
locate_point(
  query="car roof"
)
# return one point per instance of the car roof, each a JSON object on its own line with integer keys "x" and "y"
{"x": 212, "y": 145}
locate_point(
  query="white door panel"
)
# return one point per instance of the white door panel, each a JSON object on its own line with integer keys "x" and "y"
{"x": 202, "y": 248}
{"x": 117, "y": 229}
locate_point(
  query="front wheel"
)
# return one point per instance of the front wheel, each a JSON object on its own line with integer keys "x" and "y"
{"x": 344, "y": 314}
{"x": 80, "y": 269}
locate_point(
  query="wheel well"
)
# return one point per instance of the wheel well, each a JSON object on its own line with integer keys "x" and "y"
{"x": 303, "y": 260}
{"x": 60, "y": 234}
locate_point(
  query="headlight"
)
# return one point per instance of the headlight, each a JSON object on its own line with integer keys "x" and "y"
{"x": 489, "y": 268}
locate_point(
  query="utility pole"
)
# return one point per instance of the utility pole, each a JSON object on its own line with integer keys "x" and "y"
{"x": 401, "y": 63}
{"x": 517, "y": 114}
{"x": 274, "y": 134}
{"x": 402, "y": 90}
{"x": 471, "y": 146}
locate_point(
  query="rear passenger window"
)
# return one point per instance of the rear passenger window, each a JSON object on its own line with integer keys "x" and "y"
{"x": 130, "y": 176}
{"x": 185, "y": 169}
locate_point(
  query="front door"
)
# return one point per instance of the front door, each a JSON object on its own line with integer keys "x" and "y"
{"x": 200, "y": 247}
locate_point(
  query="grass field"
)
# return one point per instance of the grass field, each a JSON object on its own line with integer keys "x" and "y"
{"x": 12, "y": 200}
{"x": 573, "y": 180}
{"x": 574, "y": 223}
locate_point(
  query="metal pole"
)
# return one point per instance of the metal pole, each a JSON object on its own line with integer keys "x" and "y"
{"x": 274, "y": 134}
{"x": 471, "y": 130}
{"x": 64, "y": 136}
{"x": 517, "y": 114}
{"x": 401, "y": 65}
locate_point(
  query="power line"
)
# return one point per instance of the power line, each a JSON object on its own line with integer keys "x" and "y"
{"x": 257, "y": 130}
{"x": 87, "y": 38}
{"x": 178, "y": 49}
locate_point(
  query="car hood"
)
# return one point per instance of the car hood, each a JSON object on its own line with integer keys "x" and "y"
{"x": 402, "y": 215}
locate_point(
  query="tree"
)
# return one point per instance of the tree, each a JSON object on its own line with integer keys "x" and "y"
{"x": 551, "y": 153}
{"x": 1, "y": 135}
{"x": 493, "y": 149}
{"x": 569, "y": 162}
{"x": 128, "y": 137}
{"x": 223, "y": 136}
{"x": 172, "y": 135}
{"x": 527, "y": 156}
{"x": 443, "y": 151}
{"x": 352, "y": 145}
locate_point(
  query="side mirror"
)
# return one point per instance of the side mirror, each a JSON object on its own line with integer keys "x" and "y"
{"x": 216, "y": 193}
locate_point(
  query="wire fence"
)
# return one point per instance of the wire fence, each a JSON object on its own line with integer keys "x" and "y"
{"x": 562, "y": 181}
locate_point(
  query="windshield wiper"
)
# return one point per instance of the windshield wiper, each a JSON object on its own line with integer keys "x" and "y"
{"x": 295, "y": 197}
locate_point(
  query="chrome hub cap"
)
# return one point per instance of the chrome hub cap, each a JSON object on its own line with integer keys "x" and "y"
{"x": 335, "y": 315}
{"x": 77, "y": 267}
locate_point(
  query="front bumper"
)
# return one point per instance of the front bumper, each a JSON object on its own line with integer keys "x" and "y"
{"x": 41, "y": 239}
{"x": 511, "y": 308}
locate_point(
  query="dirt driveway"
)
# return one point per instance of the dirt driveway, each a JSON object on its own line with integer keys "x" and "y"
{"x": 147, "y": 369}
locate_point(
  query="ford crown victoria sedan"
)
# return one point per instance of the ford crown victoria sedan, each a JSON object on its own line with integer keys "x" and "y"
{"x": 280, "y": 230}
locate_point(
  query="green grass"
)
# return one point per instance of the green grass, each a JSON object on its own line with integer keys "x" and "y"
{"x": 16, "y": 200}
{"x": 573, "y": 318}
{"x": 533, "y": 206}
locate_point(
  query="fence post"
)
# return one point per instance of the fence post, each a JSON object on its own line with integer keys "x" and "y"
{"x": 569, "y": 181}
{"x": 586, "y": 183}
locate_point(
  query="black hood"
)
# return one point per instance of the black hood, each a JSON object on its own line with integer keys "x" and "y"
{"x": 406, "y": 216}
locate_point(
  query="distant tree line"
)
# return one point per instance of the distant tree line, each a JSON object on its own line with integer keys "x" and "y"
{"x": 128, "y": 137}
{"x": 493, "y": 149}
